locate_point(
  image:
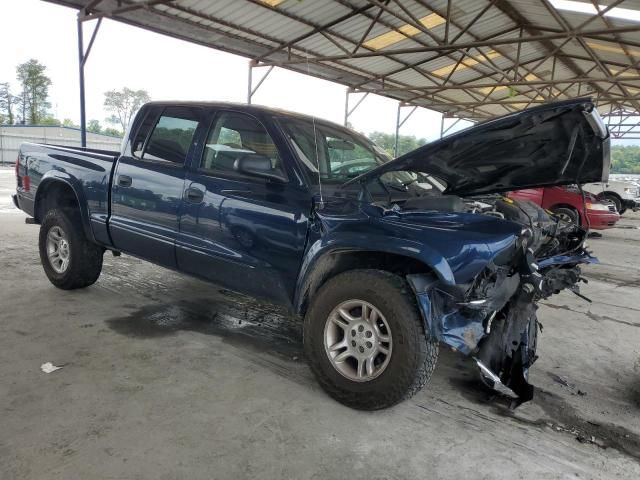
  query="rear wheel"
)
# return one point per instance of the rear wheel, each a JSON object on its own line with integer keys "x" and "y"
{"x": 69, "y": 259}
{"x": 365, "y": 340}
{"x": 568, "y": 215}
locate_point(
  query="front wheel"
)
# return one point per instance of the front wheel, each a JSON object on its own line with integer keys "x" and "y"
{"x": 69, "y": 259}
{"x": 365, "y": 340}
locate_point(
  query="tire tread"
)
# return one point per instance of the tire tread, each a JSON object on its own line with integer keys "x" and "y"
{"x": 86, "y": 256}
{"x": 410, "y": 377}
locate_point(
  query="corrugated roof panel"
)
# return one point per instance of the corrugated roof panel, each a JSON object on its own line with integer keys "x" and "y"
{"x": 256, "y": 30}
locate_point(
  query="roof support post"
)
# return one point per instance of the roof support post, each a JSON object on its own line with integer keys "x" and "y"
{"x": 83, "y": 113}
{"x": 251, "y": 90}
{"x": 399, "y": 124}
{"x": 348, "y": 111}
{"x": 82, "y": 59}
{"x": 249, "y": 81}
{"x": 443, "y": 131}
{"x": 395, "y": 138}
{"x": 346, "y": 106}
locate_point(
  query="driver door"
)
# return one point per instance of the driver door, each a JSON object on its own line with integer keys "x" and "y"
{"x": 243, "y": 231}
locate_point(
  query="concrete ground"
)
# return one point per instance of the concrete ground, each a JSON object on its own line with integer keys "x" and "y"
{"x": 167, "y": 377}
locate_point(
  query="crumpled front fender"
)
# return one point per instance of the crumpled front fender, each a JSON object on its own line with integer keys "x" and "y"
{"x": 444, "y": 318}
{"x": 450, "y": 317}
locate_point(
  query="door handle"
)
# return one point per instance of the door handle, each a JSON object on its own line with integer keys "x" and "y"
{"x": 124, "y": 181}
{"x": 194, "y": 195}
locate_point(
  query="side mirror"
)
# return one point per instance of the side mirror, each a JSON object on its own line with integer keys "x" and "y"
{"x": 258, "y": 166}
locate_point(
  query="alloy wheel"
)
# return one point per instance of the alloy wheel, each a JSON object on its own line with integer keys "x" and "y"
{"x": 357, "y": 340}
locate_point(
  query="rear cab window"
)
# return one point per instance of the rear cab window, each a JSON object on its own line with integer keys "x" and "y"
{"x": 171, "y": 138}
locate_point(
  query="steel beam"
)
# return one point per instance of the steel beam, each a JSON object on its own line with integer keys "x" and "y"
{"x": 85, "y": 14}
{"x": 462, "y": 45}
{"x": 251, "y": 90}
{"x": 348, "y": 111}
{"x": 83, "y": 55}
{"x": 559, "y": 81}
{"x": 399, "y": 124}
{"x": 512, "y": 101}
{"x": 444, "y": 132}
{"x": 81, "y": 60}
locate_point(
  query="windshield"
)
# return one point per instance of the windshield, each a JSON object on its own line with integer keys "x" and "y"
{"x": 339, "y": 155}
{"x": 335, "y": 154}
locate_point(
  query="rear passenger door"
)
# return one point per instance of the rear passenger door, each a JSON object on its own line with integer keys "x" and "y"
{"x": 148, "y": 183}
{"x": 241, "y": 231}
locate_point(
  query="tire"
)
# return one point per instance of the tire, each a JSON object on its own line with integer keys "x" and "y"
{"x": 567, "y": 214}
{"x": 83, "y": 258}
{"x": 616, "y": 201}
{"x": 412, "y": 353}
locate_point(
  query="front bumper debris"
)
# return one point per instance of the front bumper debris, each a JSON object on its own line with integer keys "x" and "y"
{"x": 499, "y": 330}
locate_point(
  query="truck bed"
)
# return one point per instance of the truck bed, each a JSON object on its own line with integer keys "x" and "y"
{"x": 87, "y": 171}
{"x": 112, "y": 154}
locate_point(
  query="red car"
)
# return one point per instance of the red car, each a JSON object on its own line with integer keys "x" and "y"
{"x": 567, "y": 203}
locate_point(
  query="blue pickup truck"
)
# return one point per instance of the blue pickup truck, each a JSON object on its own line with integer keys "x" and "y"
{"x": 381, "y": 259}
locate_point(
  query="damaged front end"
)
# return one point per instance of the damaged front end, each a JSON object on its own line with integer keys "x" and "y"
{"x": 493, "y": 318}
{"x": 492, "y": 258}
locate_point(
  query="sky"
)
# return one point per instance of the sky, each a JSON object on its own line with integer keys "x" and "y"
{"x": 171, "y": 69}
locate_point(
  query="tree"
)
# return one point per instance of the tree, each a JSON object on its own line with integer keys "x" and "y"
{"x": 113, "y": 132}
{"x": 67, "y": 122}
{"x": 35, "y": 90}
{"x": 50, "y": 121}
{"x": 7, "y": 104}
{"x": 386, "y": 141}
{"x": 124, "y": 104}
{"x": 625, "y": 159}
{"x": 94, "y": 126}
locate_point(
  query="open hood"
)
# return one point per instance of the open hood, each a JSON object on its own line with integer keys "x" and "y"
{"x": 554, "y": 144}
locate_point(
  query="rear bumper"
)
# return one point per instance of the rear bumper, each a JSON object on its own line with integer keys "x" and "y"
{"x": 23, "y": 202}
{"x": 600, "y": 220}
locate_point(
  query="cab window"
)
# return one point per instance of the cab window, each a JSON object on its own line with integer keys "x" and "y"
{"x": 172, "y": 136}
{"x": 137, "y": 145}
{"x": 234, "y": 135}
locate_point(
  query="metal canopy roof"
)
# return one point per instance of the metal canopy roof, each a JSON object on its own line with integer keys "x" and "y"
{"x": 470, "y": 59}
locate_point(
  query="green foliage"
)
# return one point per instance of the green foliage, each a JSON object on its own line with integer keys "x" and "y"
{"x": 406, "y": 143}
{"x": 35, "y": 91}
{"x": 625, "y": 159}
{"x": 229, "y": 137}
{"x": 94, "y": 126}
{"x": 174, "y": 135}
{"x": 113, "y": 132}
{"x": 50, "y": 121}
{"x": 67, "y": 122}
{"x": 123, "y": 104}
{"x": 8, "y": 104}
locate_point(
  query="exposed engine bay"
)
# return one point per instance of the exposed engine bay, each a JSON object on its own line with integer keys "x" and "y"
{"x": 493, "y": 318}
